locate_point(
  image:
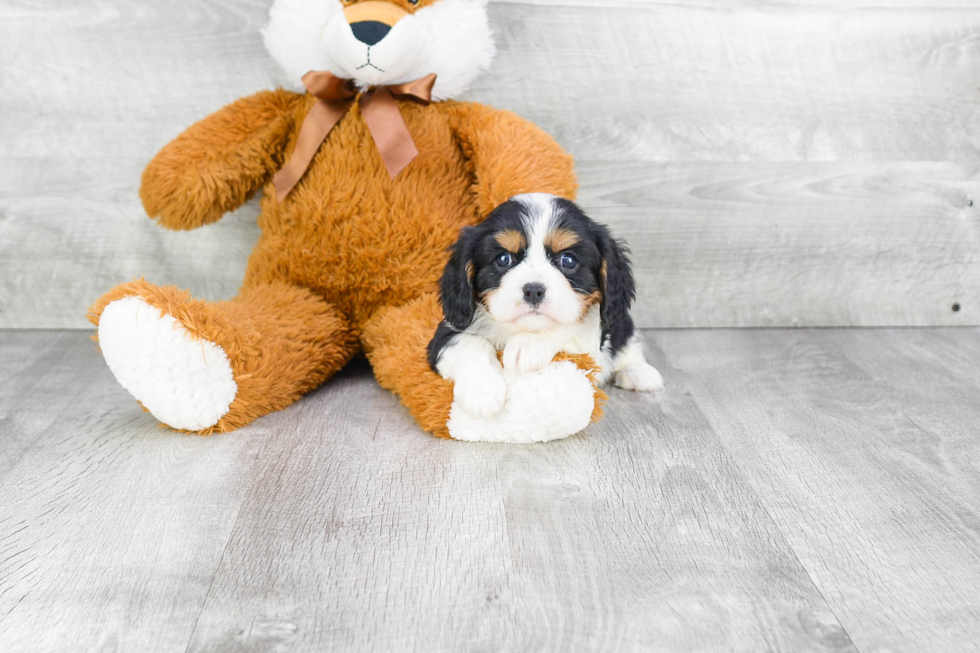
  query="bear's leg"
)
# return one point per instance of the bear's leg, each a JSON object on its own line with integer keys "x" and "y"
{"x": 215, "y": 367}
{"x": 554, "y": 403}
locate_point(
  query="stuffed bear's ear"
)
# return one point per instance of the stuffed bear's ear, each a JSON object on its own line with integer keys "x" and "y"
{"x": 618, "y": 288}
{"x": 456, "y": 287}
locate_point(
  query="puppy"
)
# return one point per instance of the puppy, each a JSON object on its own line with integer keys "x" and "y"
{"x": 537, "y": 277}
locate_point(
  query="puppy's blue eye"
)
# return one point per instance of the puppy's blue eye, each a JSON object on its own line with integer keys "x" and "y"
{"x": 567, "y": 261}
{"x": 505, "y": 260}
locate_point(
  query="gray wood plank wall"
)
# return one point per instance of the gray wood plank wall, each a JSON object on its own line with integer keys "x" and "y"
{"x": 787, "y": 163}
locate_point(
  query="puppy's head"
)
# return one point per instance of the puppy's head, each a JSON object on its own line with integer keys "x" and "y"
{"x": 535, "y": 262}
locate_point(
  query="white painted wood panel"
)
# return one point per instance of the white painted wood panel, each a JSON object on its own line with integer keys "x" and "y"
{"x": 797, "y": 243}
{"x": 671, "y": 82}
{"x": 771, "y": 107}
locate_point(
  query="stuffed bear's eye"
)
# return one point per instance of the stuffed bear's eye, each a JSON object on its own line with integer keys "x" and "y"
{"x": 567, "y": 261}
{"x": 413, "y": 2}
{"x": 504, "y": 260}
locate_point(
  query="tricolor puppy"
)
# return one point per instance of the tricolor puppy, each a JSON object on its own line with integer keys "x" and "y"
{"x": 537, "y": 277}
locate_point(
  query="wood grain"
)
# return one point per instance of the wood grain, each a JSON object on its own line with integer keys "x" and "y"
{"x": 822, "y": 152}
{"x": 338, "y": 525}
{"x": 671, "y": 82}
{"x": 791, "y": 490}
{"x": 796, "y": 244}
{"x": 41, "y": 378}
{"x": 638, "y": 536}
{"x": 110, "y": 526}
{"x": 861, "y": 449}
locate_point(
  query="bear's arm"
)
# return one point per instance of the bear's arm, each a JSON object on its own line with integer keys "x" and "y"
{"x": 509, "y": 155}
{"x": 219, "y": 162}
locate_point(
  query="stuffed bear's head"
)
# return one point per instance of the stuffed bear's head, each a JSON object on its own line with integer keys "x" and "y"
{"x": 381, "y": 42}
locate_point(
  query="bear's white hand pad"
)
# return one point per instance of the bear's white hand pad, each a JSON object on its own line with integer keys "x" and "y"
{"x": 481, "y": 392}
{"x": 546, "y": 405}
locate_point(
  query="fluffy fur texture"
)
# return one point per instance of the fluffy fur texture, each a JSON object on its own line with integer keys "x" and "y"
{"x": 280, "y": 340}
{"x": 538, "y": 277}
{"x": 351, "y": 259}
{"x": 449, "y": 37}
{"x": 568, "y": 390}
{"x": 399, "y": 335}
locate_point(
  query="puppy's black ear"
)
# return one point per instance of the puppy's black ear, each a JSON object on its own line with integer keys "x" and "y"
{"x": 618, "y": 288}
{"x": 456, "y": 287}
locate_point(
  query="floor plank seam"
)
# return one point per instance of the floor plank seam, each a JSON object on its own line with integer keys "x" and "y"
{"x": 762, "y": 504}
{"x": 272, "y": 438}
{"x": 733, "y": 460}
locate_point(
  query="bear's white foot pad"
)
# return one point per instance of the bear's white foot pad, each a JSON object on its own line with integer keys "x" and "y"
{"x": 184, "y": 382}
{"x": 549, "y": 404}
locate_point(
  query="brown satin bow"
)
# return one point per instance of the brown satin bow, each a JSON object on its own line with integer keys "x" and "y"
{"x": 380, "y": 112}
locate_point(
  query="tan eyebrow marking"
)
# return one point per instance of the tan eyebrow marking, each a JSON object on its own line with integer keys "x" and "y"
{"x": 511, "y": 240}
{"x": 560, "y": 239}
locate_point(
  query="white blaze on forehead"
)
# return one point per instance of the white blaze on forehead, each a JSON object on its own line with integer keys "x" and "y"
{"x": 561, "y": 303}
{"x": 538, "y": 217}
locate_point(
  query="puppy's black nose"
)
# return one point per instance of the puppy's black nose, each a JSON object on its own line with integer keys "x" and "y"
{"x": 533, "y": 293}
{"x": 369, "y": 31}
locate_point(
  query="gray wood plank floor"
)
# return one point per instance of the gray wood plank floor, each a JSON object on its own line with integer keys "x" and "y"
{"x": 791, "y": 491}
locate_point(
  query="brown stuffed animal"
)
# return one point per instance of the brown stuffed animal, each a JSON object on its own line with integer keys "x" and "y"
{"x": 378, "y": 169}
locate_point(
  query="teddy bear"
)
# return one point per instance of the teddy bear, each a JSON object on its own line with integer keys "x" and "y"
{"x": 367, "y": 177}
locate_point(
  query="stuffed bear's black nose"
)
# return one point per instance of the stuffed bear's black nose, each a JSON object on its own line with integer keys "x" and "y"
{"x": 534, "y": 293}
{"x": 369, "y": 31}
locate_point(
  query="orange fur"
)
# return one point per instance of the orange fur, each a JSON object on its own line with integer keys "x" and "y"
{"x": 281, "y": 341}
{"x": 217, "y": 164}
{"x": 351, "y": 256}
{"x": 395, "y": 341}
{"x": 403, "y": 4}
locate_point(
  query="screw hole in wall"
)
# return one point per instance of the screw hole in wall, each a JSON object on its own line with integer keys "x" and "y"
{"x": 956, "y": 307}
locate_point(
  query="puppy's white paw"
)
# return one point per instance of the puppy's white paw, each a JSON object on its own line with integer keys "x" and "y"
{"x": 529, "y": 353}
{"x": 481, "y": 395}
{"x": 640, "y": 376}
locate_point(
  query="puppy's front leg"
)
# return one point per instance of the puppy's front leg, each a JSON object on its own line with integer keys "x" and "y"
{"x": 470, "y": 362}
{"x": 529, "y": 352}
{"x": 631, "y": 371}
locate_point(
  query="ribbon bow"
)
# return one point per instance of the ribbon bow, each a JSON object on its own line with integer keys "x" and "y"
{"x": 384, "y": 120}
